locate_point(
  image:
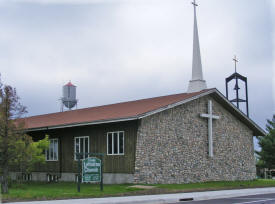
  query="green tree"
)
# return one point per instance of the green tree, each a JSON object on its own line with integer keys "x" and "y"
{"x": 28, "y": 153}
{"x": 267, "y": 144}
{"x": 16, "y": 147}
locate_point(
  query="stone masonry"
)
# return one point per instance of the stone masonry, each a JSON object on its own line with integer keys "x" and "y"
{"x": 172, "y": 146}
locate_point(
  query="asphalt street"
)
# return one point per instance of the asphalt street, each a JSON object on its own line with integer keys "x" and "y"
{"x": 254, "y": 199}
{"x": 236, "y": 196}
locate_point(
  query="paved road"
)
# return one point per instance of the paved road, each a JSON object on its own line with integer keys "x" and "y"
{"x": 255, "y": 199}
{"x": 259, "y": 196}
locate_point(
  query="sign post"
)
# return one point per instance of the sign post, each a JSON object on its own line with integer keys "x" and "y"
{"x": 101, "y": 181}
{"x": 79, "y": 174}
{"x": 92, "y": 169}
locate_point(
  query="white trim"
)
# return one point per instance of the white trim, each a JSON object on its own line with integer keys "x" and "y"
{"x": 81, "y": 137}
{"x": 57, "y": 153}
{"x": 113, "y": 154}
{"x": 83, "y": 124}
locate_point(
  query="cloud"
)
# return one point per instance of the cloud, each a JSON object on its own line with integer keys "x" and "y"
{"x": 125, "y": 50}
{"x": 75, "y": 2}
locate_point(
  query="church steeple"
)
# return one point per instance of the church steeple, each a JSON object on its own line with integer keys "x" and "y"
{"x": 197, "y": 83}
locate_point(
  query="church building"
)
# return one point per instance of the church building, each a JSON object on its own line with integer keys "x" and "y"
{"x": 195, "y": 136}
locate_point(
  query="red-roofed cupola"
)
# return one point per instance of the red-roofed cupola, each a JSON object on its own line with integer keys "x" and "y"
{"x": 69, "y": 84}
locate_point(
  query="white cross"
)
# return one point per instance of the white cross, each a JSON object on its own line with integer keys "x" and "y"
{"x": 210, "y": 117}
{"x": 235, "y": 60}
{"x": 194, "y": 3}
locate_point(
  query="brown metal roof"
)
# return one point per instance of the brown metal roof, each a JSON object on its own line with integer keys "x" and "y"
{"x": 131, "y": 110}
{"x": 116, "y": 111}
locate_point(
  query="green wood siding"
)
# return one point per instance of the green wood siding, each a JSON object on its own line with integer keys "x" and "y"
{"x": 98, "y": 144}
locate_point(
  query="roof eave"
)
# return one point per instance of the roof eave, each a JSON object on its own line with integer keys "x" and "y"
{"x": 81, "y": 124}
{"x": 257, "y": 130}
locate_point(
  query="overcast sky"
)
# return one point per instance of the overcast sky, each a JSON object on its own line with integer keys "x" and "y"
{"x": 120, "y": 50}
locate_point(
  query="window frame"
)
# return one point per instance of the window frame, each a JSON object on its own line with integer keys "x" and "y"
{"x": 48, "y": 150}
{"x": 79, "y": 137}
{"x": 118, "y": 144}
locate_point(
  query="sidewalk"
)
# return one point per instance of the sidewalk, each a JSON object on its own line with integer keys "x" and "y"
{"x": 160, "y": 199}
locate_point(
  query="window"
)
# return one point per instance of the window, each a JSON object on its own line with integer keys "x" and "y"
{"x": 115, "y": 143}
{"x": 52, "y": 152}
{"x": 81, "y": 145}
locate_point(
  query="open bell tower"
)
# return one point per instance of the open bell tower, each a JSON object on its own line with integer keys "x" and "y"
{"x": 237, "y": 78}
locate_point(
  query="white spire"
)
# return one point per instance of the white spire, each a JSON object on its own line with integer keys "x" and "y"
{"x": 197, "y": 83}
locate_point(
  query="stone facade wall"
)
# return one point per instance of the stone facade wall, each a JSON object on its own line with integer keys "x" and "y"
{"x": 172, "y": 146}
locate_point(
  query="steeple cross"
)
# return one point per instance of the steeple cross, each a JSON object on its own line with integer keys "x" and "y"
{"x": 235, "y": 60}
{"x": 194, "y": 3}
{"x": 210, "y": 118}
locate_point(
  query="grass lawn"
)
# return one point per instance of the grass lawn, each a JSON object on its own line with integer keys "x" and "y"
{"x": 62, "y": 190}
{"x": 66, "y": 190}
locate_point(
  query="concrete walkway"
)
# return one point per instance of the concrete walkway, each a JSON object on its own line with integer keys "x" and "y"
{"x": 159, "y": 199}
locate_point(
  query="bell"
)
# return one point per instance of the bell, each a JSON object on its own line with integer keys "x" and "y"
{"x": 236, "y": 87}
